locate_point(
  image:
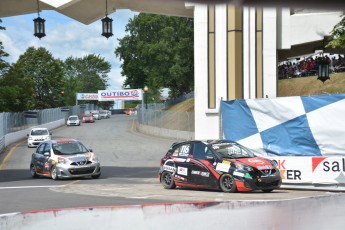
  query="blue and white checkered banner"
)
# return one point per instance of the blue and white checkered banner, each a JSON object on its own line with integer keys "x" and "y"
{"x": 287, "y": 126}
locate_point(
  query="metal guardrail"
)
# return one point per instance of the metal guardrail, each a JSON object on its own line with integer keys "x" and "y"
{"x": 13, "y": 122}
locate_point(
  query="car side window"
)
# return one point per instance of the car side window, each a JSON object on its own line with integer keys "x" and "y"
{"x": 201, "y": 151}
{"x": 40, "y": 149}
{"x": 46, "y": 148}
{"x": 182, "y": 150}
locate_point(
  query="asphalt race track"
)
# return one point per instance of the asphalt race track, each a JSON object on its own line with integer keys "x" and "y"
{"x": 130, "y": 162}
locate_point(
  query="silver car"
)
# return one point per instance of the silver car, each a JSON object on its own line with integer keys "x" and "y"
{"x": 64, "y": 158}
{"x": 73, "y": 120}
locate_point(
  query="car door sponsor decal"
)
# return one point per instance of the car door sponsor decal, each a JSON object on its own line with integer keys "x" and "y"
{"x": 204, "y": 174}
{"x": 182, "y": 171}
{"x": 238, "y": 174}
{"x": 223, "y": 167}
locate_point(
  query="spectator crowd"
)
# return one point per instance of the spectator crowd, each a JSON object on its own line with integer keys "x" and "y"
{"x": 309, "y": 66}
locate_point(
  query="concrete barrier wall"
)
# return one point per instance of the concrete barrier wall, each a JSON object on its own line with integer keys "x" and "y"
{"x": 326, "y": 212}
{"x": 16, "y": 136}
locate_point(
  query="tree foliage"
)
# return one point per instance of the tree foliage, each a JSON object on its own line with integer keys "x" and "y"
{"x": 16, "y": 91}
{"x": 159, "y": 53}
{"x": 46, "y": 73}
{"x": 338, "y": 34}
{"x": 85, "y": 75}
{"x": 4, "y": 66}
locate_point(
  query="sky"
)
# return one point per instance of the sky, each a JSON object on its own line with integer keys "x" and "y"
{"x": 66, "y": 37}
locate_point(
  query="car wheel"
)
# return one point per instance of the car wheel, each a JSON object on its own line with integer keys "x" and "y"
{"x": 267, "y": 190}
{"x": 33, "y": 171}
{"x": 95, "y": 176}
{"x": 167, "y": 180}
{"x": 53, "y": 173}
{"x": 227, "y": 183}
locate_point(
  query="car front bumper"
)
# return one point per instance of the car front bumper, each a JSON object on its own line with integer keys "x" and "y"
{"x": 263, "y": 183}
{"x": 71, "y": 171}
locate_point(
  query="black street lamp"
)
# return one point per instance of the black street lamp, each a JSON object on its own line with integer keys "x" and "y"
{"x": 39, "y": 24}
{"x": 107, "y": 23}
{"x": 145, "y": 90}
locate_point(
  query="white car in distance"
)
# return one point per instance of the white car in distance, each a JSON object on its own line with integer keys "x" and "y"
{"x": 73, "y": 120}
{"x": 37, "y": 136}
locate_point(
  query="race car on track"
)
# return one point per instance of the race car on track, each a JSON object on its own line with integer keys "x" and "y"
{"x": 88, "y": 118}
{"x": 64, "y": 158}
{"x": 219, "y": 164}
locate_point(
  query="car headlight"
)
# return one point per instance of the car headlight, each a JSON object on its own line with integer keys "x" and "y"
{"x": 94, "y": 158}
{"x": 62, "y": 160}
{"x": 244, "y": 167}
{"x": 30, "y": 138}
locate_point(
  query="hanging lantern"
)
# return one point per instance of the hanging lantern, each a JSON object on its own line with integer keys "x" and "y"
{"x": 39, "y": 27}
{"x": 39, "y": 24}
{"x": 107, "y": 27}
{"x": 323, "y": 74}
{"x": 107, "y": 23}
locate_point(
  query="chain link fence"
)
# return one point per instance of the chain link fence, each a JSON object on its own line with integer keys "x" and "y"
{"x": 13, "y": 122}
{"x": 175, "y": 120}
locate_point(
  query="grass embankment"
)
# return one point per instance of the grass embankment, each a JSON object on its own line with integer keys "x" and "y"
{"x": 178, "y": 117}
{"x": 311, "y": 86}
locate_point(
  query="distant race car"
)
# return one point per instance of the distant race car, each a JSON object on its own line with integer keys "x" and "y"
{"x": 37, "y": 136}
{"x": 64, "y": 158}
{"x": 73, "y": 120}
{"x": 88, "y": 118}
{"x": 219, "y": 164}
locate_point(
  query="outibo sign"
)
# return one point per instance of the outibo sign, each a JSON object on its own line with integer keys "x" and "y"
{"x": 110, "y": 95}
{"x": 87, "y": 96}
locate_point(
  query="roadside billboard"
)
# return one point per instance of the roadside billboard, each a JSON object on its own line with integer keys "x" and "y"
{"x": 87, "y": 96}
{"x": 111, "y": 95}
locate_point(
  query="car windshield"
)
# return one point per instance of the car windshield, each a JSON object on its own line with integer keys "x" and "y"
{"x": 73, "y": 118}
{"x": 69, "y": 148}
{"x": 231, "y": 150}
{"x": 39, "y": 132}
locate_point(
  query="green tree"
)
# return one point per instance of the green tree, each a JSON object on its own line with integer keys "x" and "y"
{"x": 16, "y": 91}
{"x": 85, "y": 75}
{"x": 46, "y": 72}
{"x": 159, "y": 53}
{"x": 338, "y": 35}
{"x": 4, "y": 66}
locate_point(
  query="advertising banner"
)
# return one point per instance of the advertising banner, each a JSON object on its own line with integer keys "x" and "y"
{"x": 312, "y": 170}
{"x": 111, "y": 95}
{"x": 87, "y": 96}
{"x": 287, "y": 126}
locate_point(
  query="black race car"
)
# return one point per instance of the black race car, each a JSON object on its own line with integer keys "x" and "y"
{"x": 219, "y": 164}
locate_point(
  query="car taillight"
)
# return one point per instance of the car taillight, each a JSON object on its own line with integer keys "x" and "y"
{"x": 161, "y": 162}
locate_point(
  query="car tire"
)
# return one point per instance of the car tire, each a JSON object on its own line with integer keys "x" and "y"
{"x": 33, "y": 171}
{"x": 227, "y": 183}
{"x": 95, "y": 176}
{"x": 267, "y": 190}
{"x": 167, "y": 180}
{"x": 53, "y": 173}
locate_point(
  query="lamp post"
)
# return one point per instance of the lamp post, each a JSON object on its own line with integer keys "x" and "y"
{"x": 145, "y": 90}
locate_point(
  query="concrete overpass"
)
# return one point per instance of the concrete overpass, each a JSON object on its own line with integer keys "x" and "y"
{"x": 237, "y": 43}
